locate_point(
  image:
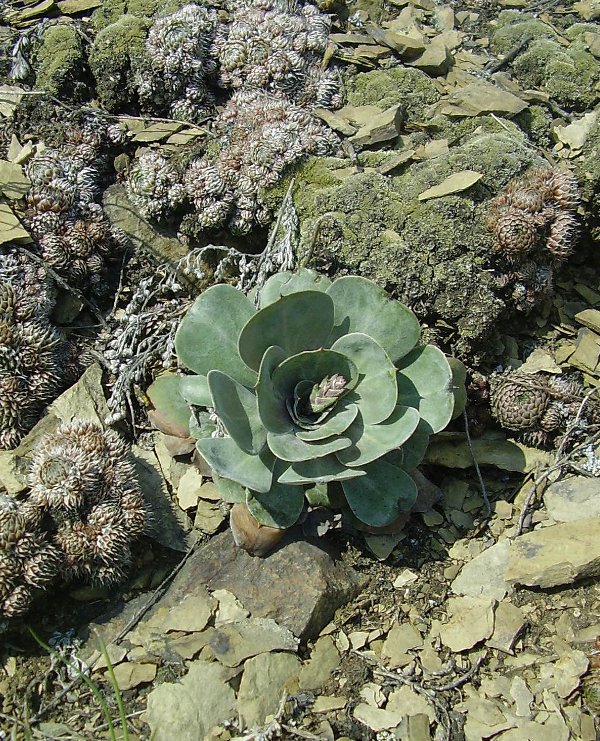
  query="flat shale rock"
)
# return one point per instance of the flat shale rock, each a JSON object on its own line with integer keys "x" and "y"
{"x": 299, "y": 585}
{"x": 558, "y": 554}
{"x": 188, "y": 709}
{"x": 262, "y": 684}
{"x": 573, "y": 498}
{"x": 483, "y": 576}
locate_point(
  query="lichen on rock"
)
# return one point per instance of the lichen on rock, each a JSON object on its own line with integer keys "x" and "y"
{"x": 568, "y": 74}
{"x": 435, "y": 255}
{"x": 113, "y": 55}
{"x": 60, "y": 61}
{"x": 413, "y": 89}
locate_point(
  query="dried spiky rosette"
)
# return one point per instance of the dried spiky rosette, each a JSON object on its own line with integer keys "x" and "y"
{"x": 538, "y": 406}
{"x": 536, "y": 213}
{"x": 36, "y": 360}
{"x": 154, "y": 185}
{"x": 178, "y": 63}
{"x": 277, "y": 46}
{"x": 83, "y": 483}
{"x": 28, "y": 562}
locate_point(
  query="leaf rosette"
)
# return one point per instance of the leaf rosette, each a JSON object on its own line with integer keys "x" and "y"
{"x": 312, "y": 383}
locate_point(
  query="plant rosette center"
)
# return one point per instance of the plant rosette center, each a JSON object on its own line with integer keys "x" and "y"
{"x": 313, "y": 382}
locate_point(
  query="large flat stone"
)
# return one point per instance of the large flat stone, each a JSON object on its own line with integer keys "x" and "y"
{"x": 299, "y": 585}
{"x": 559, "y": 554}
{"x": 188, "y": 709}
{"x": 573, "y": 498}
{"x": 263, "y": 683}
{"x": 484, "y": 575}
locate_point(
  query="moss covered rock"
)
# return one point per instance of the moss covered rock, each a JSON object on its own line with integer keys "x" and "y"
{"x": 112, "y": 10}
{"x": 60, "y": 65}
{"x": 536, "y": 122}
{"x": 587, "y": 169}
{"x": 413, "y": 89}
{"x": 435, "y": 255}
{"x": 115, "y": 53}
{"x": 568, "y": 75}
{"x": 512, "y": 27}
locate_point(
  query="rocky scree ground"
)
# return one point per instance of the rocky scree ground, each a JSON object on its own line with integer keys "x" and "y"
{"x": 467, "y": 624}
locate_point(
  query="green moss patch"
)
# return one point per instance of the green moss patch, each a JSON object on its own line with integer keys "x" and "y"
{"x": 114, "y": 55}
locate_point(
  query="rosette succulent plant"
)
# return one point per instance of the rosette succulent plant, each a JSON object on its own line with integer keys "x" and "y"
{"x": 315, "y": 383}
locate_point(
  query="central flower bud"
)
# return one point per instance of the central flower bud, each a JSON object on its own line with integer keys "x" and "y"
{"x": 324, "y": 394}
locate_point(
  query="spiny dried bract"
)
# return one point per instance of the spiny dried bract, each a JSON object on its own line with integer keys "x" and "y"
{"x": 277, "y": 46}
{"x": 536, "y": 212}
{"x": 260, "y": 136}
{"x": 154, "y": 186}
{"x": 538, "y": 406}
{"x": 82, "y": 480}
{"x": 77, "y": 249}
{"x": 27, "y": 561}
{"x": 74, "y": 236}
{"x": 179, "y": 62}
{"x": 35, "y": 357}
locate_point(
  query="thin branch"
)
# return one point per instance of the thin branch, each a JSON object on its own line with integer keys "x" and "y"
{"x": 488, "y": 508}
{"x": 563, "y": 459}
{"x": 492, "y": 67}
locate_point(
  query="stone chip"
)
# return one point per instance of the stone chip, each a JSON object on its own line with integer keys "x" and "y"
{"x": 558, "y": 554}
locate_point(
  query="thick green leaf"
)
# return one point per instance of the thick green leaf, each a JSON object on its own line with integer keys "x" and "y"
{"x": 372, "y": 441}
{"x": 319, "y": 471}
{"x": 424, "y": 381}
{"x": 272, "y": 408}
{"x": 207, "y": 338}
{"x": 230, "y": 461}
{"x": 298, "y": 401}
{"x": 171, "y": 413}
{"x": 300, "y": 321}
{"x": 237, "y": 409}
{"x": 286, "y": 282}
{"x": 229, "y": 490}
{"x": 194, "y": 390}
{"x": 313, "y": 365}
{"x": 280, "y": 507}
{"x": 290, "y": 448}
{"x": 361, "y": 306}
{"x": 413, "y": 451}
{"x": 378, "y": 498}
{"x": 376, "y": 392}
{"x": 338, "y": 421}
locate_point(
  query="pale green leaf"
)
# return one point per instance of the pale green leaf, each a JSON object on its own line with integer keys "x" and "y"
{"x": 300, "y": 321}
{"x": 338, "y": 421}
{"x": 194, "y": 390}
{"x": 381, "y": 496}
{"x": 425, "y": 381}
{"x": 290, "y": 448}
{"x": 318, "y": 471}
{"x": 376, "y": 391}
{"x": 372, "y": 441}
{"x": 231, "y": 462}
{"x": 286, "y": 282}
{"x": 362, "y": 306}
{"x": 208, "y": 334}
{"x": 237, "y": 409}
{"x": 280, "y": 507}
{"x": 271, "y": 405}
